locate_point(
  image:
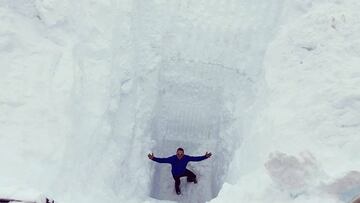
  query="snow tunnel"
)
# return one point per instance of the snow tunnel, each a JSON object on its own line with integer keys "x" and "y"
{"x": 190, "y": 112}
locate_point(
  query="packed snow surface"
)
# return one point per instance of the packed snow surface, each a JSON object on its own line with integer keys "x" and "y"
{"x": 89, "y": 88}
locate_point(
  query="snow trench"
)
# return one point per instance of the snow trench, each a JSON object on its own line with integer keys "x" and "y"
{"x": 190, "y": 113}
{"x": 205, "y": 75}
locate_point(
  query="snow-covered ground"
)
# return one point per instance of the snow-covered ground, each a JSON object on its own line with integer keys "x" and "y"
{"x": 271, "y": 88}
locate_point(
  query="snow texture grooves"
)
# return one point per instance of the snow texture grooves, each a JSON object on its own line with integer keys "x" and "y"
{"x": 189, "y": 114}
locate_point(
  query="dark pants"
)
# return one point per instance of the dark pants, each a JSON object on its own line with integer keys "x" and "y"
{"x": 190, "y": 178}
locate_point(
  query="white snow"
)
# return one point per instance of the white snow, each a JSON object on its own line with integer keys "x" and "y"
{"x": 89, "y": 88}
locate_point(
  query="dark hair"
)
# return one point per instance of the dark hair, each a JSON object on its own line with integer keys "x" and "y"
{"x": 180, "y": 149}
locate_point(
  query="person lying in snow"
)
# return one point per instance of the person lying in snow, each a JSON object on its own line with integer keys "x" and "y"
{"x": 178, "y": 166}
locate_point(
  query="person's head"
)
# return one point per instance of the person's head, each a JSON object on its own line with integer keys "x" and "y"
{"x": 180, "y": 153}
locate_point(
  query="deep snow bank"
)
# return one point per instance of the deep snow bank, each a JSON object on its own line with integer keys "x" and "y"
{"x": 304, "y": 148}
{"x": 89, "y": 88}
{"x": 33, "y": 100}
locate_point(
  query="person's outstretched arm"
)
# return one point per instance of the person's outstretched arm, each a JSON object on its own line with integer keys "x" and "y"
{"x": 159, "y": 160}
{"x": 200, "y": 158}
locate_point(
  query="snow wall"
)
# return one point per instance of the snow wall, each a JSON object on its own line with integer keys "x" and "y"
{"x": 90, "y": 87}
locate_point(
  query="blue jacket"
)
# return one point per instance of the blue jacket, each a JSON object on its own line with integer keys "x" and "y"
{"x": 178, "y": 166}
